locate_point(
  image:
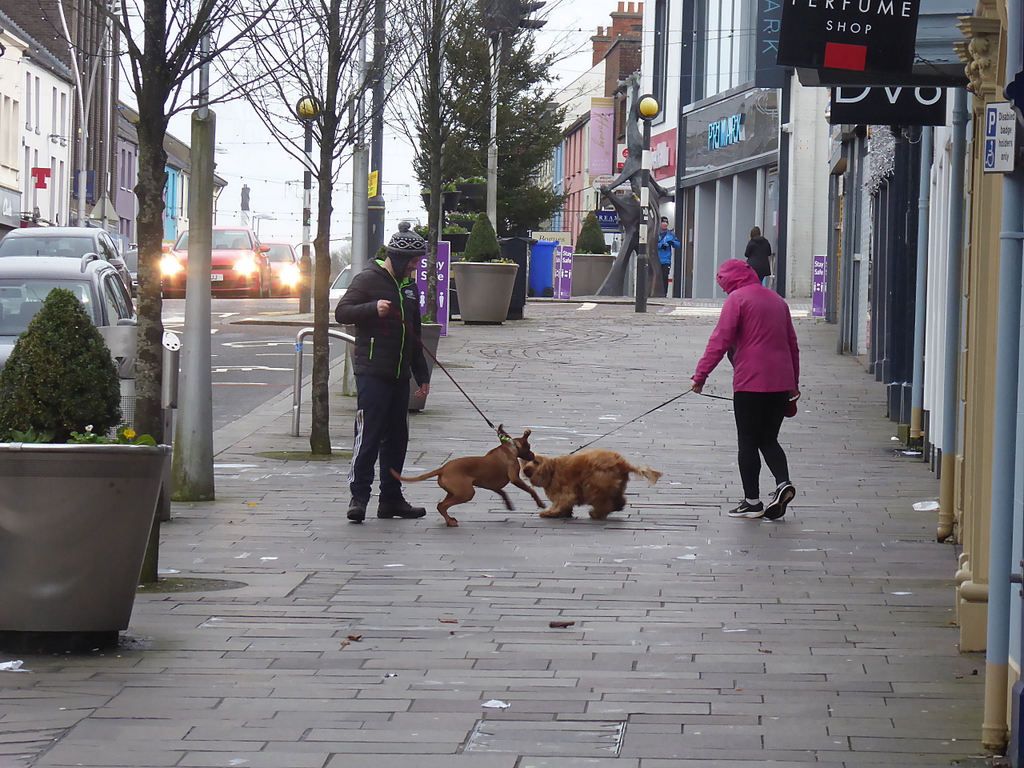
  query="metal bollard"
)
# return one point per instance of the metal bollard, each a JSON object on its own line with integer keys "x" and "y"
{"x": 332, "y": 333}
{"x": 168, "y": 402}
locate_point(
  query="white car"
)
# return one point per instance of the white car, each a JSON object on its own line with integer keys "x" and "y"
{"x": 339, "y": 286}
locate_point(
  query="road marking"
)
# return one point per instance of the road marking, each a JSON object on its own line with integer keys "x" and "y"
{"x": 246, "y": 368}
{"x": 259, "y": 343}
{"x": 696, "y": 311}
{"x": 240, "y": 384}
{"x": 585, "y": 306}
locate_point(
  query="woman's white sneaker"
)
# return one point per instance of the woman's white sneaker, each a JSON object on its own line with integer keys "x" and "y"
{"x": 780, "y": 500}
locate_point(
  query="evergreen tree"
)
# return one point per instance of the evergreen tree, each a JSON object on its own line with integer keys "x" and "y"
{"x": 529, "y": 120}
{"x": 60, "y": 377}
{"x": 591, "y": 238}
{"x": 482, "y": 244}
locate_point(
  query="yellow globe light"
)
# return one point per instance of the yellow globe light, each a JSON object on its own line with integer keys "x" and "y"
{"x": 649, "y": 107}
{"x": 307, "y": 108}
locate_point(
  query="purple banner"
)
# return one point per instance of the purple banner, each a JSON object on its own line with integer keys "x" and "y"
{"x": 818, "y": 293}
{"x": 443, "y": 260}
{"x": 563, "y": 271}
{"x": 602, "y": 136}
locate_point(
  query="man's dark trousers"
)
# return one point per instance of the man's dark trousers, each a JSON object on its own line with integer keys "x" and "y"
{"x": 382, "y": 427}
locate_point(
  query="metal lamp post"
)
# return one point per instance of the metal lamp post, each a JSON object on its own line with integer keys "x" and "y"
{"x": 649, "y": 109}
{"x": 307, "y": 110}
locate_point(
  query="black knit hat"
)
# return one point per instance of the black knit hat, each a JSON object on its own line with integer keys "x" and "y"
{"x": 404, "y": 246}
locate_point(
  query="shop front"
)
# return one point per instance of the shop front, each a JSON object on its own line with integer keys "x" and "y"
{"x": 730, "y": 182}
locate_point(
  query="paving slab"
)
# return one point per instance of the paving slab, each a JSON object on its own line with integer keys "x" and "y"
{"x": 823, "y": 639}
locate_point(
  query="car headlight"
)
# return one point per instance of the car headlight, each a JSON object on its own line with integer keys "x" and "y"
{"x": 290, "y": 275}
{"x": 245, "y": 266}
{"x": 170, "y": 266}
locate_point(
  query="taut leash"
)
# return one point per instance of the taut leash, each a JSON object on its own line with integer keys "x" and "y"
{"x": 646, "y": 413}
{"x": 457, "y": 385}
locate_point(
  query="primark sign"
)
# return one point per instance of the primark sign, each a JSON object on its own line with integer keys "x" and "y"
{"x": 722, "y": 133}
{"x": 888, "y": 106}
{"x": 852, "y": 35}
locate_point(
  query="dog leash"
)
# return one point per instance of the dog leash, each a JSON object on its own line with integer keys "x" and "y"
{"x": 647, "y": 413}
{"x": 459, "y": 387}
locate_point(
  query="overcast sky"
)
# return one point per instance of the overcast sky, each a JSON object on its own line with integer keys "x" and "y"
{"x": 246, "y": 154}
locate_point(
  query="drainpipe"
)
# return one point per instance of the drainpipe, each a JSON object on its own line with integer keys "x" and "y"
{"x": 917, "y": 389}
{"x": 951, "y": 354}
{"x": 993, "y": 727}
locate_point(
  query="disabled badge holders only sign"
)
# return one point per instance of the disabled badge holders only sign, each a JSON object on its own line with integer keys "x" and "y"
{"x": 872, "y": 36}
{"x": 1000, "y": 137}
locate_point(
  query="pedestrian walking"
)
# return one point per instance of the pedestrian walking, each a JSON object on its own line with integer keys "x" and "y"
{"x": 666, "y": 242}
{"x": 758, "y": 254}
{"x": 756, "y": 331}
{"x": 382, "y": 302}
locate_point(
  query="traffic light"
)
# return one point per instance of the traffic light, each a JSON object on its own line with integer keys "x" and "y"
{"x": 507, "y": 15}
{"x": 528, "y": 7}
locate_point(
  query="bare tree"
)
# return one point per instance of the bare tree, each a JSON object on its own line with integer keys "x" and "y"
{"x": 160, "y": 64}
{"x": 425, "y": 114}
{"x": 318, "y": 53}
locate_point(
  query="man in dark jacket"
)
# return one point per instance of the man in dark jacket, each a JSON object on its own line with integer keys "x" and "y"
{"x": 758, "y": 254}
{"x": 383, "y": 304}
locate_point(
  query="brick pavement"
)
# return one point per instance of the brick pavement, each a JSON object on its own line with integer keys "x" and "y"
{"x": 823, "y": 639}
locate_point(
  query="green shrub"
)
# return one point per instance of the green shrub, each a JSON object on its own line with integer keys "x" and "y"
{"x": 482, "y": 244}
{"x": 60, "y": 377}
{"x": 591, "y": 238}
{"x": 455, "y": 229}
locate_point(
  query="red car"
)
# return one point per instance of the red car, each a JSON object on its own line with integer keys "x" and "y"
{"x": 285, "y": 277}
{"x": 239, "y": 262}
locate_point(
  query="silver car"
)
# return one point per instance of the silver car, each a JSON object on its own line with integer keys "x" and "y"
{"x": 66, "y": 242}
{"x": 25, "y": 281}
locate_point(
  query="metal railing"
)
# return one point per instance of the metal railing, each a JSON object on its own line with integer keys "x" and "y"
{"x": 297, "y": 385}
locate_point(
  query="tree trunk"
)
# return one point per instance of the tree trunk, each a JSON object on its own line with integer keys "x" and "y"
{"x": 435, "y": 146}
{"x": 319, "y": 436}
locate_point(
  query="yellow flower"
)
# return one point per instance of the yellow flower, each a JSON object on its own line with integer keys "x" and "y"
{"x": 129, "y": 433}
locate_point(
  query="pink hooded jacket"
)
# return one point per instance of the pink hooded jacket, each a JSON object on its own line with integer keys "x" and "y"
{"x": 755, "y": 323}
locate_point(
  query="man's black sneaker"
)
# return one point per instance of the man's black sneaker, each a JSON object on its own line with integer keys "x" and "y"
{"x": 399, "y": 508}
{"x": 357, "y": 511}
{"x": 780, "y": 500}
{"x": 747, "y": 510}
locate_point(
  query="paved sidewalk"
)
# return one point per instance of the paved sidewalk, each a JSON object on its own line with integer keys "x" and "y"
{"x": 824, "y": 639}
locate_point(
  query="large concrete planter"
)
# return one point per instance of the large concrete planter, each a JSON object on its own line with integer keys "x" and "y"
{"x": 74, "y": 522}
{"x": 430, "y": 333}
{"x": 588, "y": 272}
{"x": 485, "y": 290}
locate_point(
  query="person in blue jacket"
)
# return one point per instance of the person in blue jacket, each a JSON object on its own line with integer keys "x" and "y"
{"x": 666, "y": 242}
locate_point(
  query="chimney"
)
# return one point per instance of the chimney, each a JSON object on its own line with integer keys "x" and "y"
{"x": 602, "y": 42}
{"x": 629, "y": 8}
{"x": 621, "y": 4}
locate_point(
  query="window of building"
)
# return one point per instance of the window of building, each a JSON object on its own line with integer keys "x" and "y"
{"x": 38, "y": 89}
{"x": 660, "y": 63}
{"x": 28, "y": 101}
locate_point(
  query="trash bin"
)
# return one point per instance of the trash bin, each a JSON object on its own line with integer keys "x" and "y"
{"x": 542, "y": 268}
{"x": 518, "y": 250}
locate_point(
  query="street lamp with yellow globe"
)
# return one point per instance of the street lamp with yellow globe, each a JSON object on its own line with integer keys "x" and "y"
{"x": 307, "y": 109}
{"x": 648, "y": 108}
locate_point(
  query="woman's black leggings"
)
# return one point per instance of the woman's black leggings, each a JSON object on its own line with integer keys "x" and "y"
{"x": 758, "y": 418}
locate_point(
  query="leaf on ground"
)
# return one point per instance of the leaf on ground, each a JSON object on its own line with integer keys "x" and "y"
{"x": 449, "y": 621}
{"x": 355, "y": 638}
{"x": 560, "y": 624}
{"x": 763, "y": 650}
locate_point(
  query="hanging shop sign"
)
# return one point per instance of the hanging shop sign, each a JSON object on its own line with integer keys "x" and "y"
{"x": 853, "y": 35}
{"x": 889, "y": 105}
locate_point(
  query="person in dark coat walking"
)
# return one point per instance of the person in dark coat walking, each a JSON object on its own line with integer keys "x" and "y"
{"x": 382, "y": 302}
{"x": 758, "y": 254}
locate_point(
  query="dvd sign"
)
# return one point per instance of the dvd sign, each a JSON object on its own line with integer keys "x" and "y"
{"x": 853, "y": 35}
{"x": 888, "y": 106}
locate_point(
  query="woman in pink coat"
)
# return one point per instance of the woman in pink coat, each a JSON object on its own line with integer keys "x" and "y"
{"x": 755, "y": 329}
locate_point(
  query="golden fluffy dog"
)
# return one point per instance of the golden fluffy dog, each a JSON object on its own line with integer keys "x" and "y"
{"x": 594, "y": 477}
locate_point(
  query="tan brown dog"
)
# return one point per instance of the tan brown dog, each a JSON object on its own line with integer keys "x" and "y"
{"x": 595, "y": 477}
{"x": 493, "y": 471}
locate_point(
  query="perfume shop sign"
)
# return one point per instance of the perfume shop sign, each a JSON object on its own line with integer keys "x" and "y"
{"x": 854, "y": 35}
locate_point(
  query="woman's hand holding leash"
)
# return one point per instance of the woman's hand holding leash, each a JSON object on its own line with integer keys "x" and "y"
{"x": 695, "y": 387}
